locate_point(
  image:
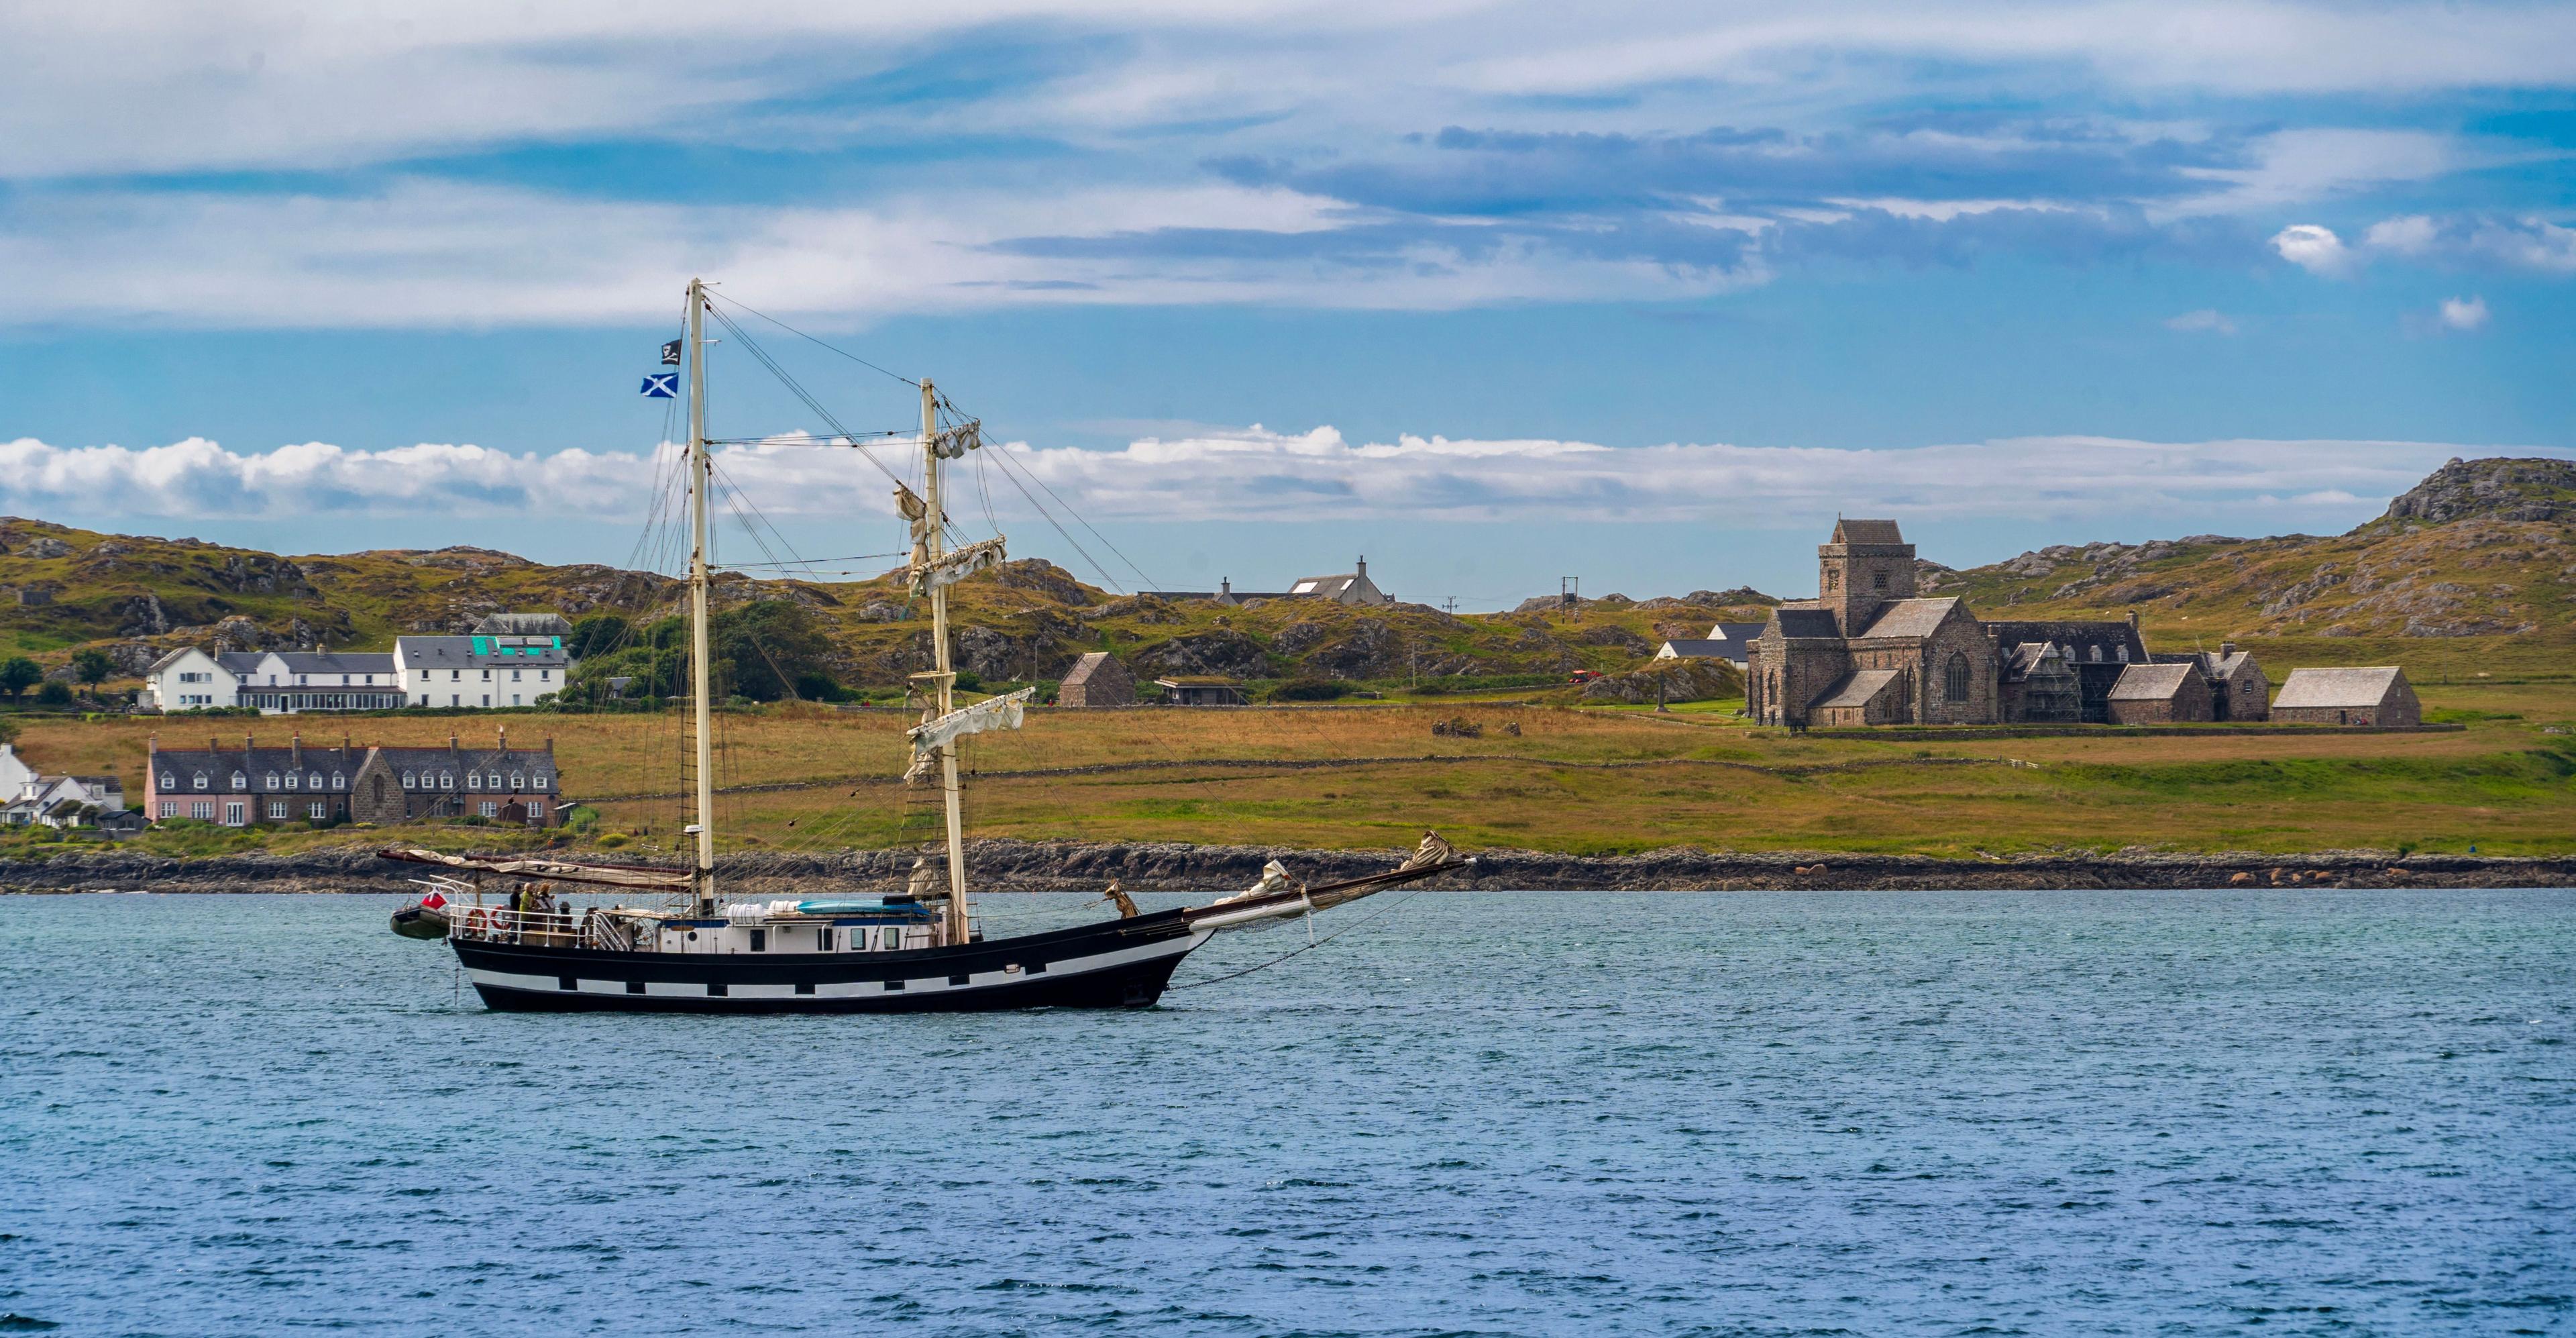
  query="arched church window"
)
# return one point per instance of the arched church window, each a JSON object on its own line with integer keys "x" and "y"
{"x": 1954, "y": 678}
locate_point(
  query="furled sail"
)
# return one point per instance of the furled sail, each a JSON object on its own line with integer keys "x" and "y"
{"x": 612, "y": 875}
{"x": 1005, "y": 712}
{"x": 954, "y": 442}
{"x": 950, "y": 568}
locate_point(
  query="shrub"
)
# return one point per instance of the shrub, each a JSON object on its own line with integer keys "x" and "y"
{"x": 55, "y": 692}
{"x": 1310, "y": 690}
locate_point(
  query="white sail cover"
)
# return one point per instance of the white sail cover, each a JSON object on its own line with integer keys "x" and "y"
{"x": 993, "y": 713}
{"x": 613, "y": 875}
{"x": 950, "y": 568}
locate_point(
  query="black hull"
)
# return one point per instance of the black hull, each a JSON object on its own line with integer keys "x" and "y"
{"x": 1118, "y": 964}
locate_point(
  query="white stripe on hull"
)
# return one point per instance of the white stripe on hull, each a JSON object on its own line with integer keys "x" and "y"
{"x": 913, "y": 986}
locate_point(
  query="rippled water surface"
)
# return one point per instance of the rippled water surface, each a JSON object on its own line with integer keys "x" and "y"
{"x": 1529, "y": 1113}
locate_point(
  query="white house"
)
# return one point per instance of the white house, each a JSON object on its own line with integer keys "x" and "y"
{"x": 479, "y": 671}
{"x": 56, "y": 801}
{"x": 275, "y": 682}
{"x": 189, "y": 679}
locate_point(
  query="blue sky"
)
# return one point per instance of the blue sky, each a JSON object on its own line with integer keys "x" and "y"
{"x": 1492, "y": 292}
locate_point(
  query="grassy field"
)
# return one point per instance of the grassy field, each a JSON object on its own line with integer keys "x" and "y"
{"x": 1579, "y": 780}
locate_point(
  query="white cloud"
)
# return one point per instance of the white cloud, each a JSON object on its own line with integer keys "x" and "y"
{"x": 1255, "y": 474}
{"x": 2411, "y": 235}
{"x": 2315, "y": 248}
{"x": 441, "y": 253}
{"x": 2205, "y": 319}
{"x": 2464, "y": 313}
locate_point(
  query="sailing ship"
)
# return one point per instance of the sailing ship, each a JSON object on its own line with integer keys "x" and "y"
{"x": 920, "y": 950}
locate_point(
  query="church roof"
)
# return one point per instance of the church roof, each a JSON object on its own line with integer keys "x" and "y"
{"x": 1867, "y": 532}
{"x": 2151, "y": 682}
{"x": 1909, "y": 617}
{"x": 2026, "y": 657}
{"x": 1807, "y": 622}
{"x": 1856, "y": 688}
{"x": 2338, "y": 687}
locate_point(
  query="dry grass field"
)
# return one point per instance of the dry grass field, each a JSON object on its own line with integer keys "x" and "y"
{"x": 1575, "y": 780}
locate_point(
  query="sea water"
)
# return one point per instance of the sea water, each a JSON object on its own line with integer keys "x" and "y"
{"x": 1482, "y": 1113}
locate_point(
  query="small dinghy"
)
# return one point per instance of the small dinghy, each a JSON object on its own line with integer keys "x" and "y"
{"x": 426, "y": 919}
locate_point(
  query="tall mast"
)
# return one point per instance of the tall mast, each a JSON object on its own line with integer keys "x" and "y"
{"x": 698, "y": 657}
{"x": 945, "y": 679}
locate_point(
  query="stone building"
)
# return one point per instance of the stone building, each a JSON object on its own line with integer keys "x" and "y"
{"x": 1097, "y": 679}
{"x": 2041, "y": 685}
{"x": 1867, "y": 650}
{"x": 2238, "y": 687}
{"x": 2160, "y": 694}
{"x": 2374, "y": 696}
{"x": 235, "y": 787}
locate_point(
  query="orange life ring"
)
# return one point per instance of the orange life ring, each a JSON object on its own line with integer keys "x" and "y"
{"x": 478, "y": 922}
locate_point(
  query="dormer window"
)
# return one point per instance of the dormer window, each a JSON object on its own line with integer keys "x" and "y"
{"x": 541, "y": 780}
{"x": 518, "y": 781}
{"x": 2124, "y": 655}
{"x": 240, "y": 781}
{"x": 293, "y": 781}
{"x": 495, "y": 780}
{"x": 272, "y": 780}
{"x": 408, "y": 778}
{"x": 474, "y": 780}
{"x": 169, "y": 781}
{"x": 339, "y": 781}
{"x": 447, "y": 780}
{"x": 200, "y": 779}
{"x": 314, "y": 781}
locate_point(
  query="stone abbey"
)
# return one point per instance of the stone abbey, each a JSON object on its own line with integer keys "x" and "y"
{"x": 1868, "y": 651}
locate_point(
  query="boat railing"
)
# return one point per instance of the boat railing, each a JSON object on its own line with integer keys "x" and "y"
{"x": 546, "y": 929}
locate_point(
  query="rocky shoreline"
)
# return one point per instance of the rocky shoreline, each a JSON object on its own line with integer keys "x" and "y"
{"x": 1026, "y": 866}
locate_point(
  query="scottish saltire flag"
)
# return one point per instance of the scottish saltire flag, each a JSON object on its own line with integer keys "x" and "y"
{"x": 671, "y": 354}
{"x": 662, "y": 386}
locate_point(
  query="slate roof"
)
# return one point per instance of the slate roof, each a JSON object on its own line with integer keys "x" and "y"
{"x": 2222, "y": 666}
{"x": 167, "y": 660}
{"x": 482, "y": 652}
{"x": 1705, "y": 650}
{"x": 1855, "y": 689}
{"x": 2338, "y": 687}
{"x": 254, "y": 764}
{"x": 332, "y": 661}
{"x": 1807, "y": 623}
{"x": 1867, "y": 532}
{"x": 2151, "y": 682}
{"x": 1909, "y": 617}
{"x": 2074, "y": 637}
{"x": 1736, "y": 631}
{"x": 1085, "y": 667}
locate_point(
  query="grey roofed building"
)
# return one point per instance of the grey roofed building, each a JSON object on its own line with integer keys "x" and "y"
{"x": 1097, "y": 679}
{"x": 2338, "y": 687}
{"x": 524, "y": 624}
{"x": 2150, "y": 682}
{"x": 1696, "y": 649}
{"x": 2379, "y": 695}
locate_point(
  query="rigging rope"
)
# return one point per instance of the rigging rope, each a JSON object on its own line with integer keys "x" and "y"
{"x": 1264, "y": 966}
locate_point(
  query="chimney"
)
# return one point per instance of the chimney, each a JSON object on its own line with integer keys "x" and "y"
{"x": 1225, "y": 586}
{"x": 295, "y": 751}
{"x": 505, "y": 739}
{"x": 1363, "y": 571}
{"x": 2226, "y": 647}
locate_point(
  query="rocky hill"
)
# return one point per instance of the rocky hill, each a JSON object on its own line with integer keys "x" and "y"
{"x": 63, "y": 589}
{"x": 2479, "y": 548}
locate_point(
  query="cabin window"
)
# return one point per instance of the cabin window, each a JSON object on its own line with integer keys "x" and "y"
{"x": 634, "y": 987}
{"x": 715, "y": 989}
{"x": 823, "y": 939}
{"x": 1037, "y": 968}
{"x": 760, "y": 940}
{"x": 961, "y": 980}
{"x": 894, "y": 986}
{"x": 804, "y": 987}
{"x": 566, "y": 983}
